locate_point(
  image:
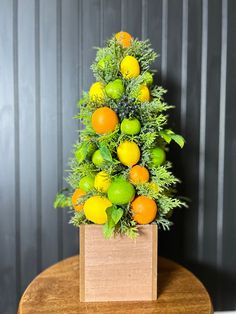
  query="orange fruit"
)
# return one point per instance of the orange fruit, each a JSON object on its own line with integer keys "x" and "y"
{"x": 138, "y": 174}
{"x": 75, "y": 198}
{"x": 104, "y": 120}
{"x": 124, "y": 39}
{"x": 144, "y": 210}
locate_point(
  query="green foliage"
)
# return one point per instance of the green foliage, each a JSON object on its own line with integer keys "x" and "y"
{"x": 128, "y": 227}
{"x": 114, "y": 215}
{"x": 78, "y": 219}
{"x": 154, "y": 132}
{"x": 143, "y": 52}
{"x": 62, "y": 201}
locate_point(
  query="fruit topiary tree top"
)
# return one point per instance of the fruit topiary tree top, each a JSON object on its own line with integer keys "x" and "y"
{"x": 119, "y": 175}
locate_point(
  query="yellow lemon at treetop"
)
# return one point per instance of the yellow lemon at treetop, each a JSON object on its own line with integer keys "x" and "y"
{"x": 95, "y": 209}
{"x": 128, "y": 153}
{"x": 144, "y": 93}
{"x": 96, "y": 92}
{"x": 102, "y": 181}
{"x": 129, "y": 67}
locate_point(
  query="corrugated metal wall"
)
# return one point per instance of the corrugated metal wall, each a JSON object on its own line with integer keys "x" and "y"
{"x": 45, "y": 54}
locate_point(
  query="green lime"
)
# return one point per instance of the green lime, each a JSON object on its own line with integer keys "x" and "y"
{"x": 115, "y": 89}
{"x": 148, "y": 78}
{"x": 97, "y": 158}
{"x": 158, "y": 156}
{"x": 87, "y": 183}
{"x": 121, "y": 192}
{"x": 104, "y": 62}
{"x": 130, "y": 126}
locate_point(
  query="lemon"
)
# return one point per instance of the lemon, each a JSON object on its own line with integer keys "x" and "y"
{"x": 129, "y": 67}
{"x": 96, "y": 92}
{"x": 144, "y": 94}
{"x": 102, "y": 181}
{"x": 128, "y": 153}
{"x": 95, "y": 209}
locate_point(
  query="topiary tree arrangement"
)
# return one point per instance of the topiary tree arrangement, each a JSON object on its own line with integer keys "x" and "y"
{"x": 119, "y": 175}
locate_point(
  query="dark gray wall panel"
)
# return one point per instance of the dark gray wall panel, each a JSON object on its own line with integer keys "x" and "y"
{"x": 91, "y": 35}
{"x": 191, "y": 161}
{"x": 8, "y": 160}
{"x": 46, "y": 49}
{"x": 131, "y": 17}
{"x": 110, "y": 18}
{"x": 50, "y": 130}
{"x": 27, "y": 144}
{"x": 212, "y": 118}
{"x": 69, "y": 97}
{"x": 227, "y": 256}
{"x": 154, "y": 31}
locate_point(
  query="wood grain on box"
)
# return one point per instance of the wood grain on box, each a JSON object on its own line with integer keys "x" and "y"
{"x": 118, "y": 269}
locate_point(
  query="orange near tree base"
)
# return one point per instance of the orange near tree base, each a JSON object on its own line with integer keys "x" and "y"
{"x": 104, "y": 120}
{"x": 138, "y": 174}
{"x": 144, "y": 210}
{"x": 124, "y": 39}
{"x": 75, "y": 199}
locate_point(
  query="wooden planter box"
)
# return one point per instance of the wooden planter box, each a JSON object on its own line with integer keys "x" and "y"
{"x": 118, "y": 269}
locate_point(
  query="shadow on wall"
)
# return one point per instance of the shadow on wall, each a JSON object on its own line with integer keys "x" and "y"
{"x": 181, "y": 242}
{"x": 219, "y": 284}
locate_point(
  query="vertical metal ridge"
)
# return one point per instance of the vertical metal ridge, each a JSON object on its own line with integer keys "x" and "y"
{"x": 164, "y": 41}
{"x": 202, "y": 136}
{"x": 144, "y": 19}
{"x": 59, "y": 125}
{"x": 101, "y": 16}
{"x": 184, "y": 69}
{"x": 221, "y": 150}
{"x": 17, "y": 150}
{"x": 38, "y": 135}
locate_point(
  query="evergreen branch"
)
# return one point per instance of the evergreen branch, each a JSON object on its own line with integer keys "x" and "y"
{"x": 163, "y": 177}
{"x": 163, "y": 223}
{"x": 78, "y": 219}
{"x": 166, "y": 204}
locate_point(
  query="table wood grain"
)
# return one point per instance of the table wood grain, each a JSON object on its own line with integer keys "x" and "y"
{"x": 56, "y": 290}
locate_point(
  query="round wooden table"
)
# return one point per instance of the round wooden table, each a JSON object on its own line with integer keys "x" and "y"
{"x": 56, "y": 290}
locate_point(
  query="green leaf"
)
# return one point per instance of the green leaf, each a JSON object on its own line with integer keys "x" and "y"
{"x": 105, "y": 152}
{"x": 178, "y": 139}
{"x": 108, "y": 231}
{"x": 81, "y": 152}
{"x": 62, "y": 200}
{"x": 165, "y": 136}
{"x": 114, "y": 215}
